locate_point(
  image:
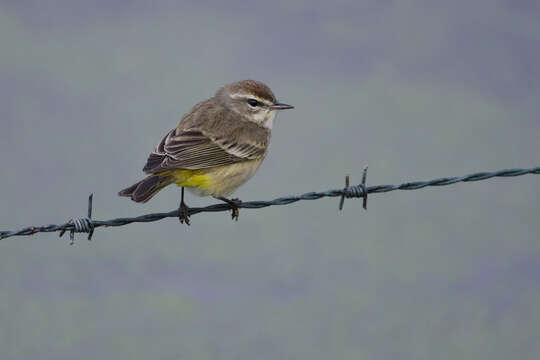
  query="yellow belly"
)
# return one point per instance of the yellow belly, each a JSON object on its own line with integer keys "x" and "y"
{"x": 216, "y": 181}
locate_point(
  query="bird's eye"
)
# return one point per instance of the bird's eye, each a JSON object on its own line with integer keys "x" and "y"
{"x": 253, "y": 102}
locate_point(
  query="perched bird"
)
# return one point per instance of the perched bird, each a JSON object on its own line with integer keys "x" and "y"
{"x": 217, "y": 146}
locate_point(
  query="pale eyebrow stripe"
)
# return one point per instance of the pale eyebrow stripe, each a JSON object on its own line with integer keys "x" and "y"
{"x": 250, "y": 96}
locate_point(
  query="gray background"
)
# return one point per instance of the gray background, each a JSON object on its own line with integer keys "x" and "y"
{"x": 415, "y": 89}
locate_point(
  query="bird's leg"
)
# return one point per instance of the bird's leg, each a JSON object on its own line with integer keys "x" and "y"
{"x": 183, "y": 210}
{"x": 233, "y": 203}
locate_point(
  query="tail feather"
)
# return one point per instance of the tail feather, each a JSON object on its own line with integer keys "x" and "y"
{"x": 145, "y": 189}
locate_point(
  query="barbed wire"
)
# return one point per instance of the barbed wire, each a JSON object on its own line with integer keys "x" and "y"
{"x": 87, "y": 225}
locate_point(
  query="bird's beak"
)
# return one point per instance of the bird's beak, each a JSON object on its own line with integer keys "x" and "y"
{"x": 280, "y": 106}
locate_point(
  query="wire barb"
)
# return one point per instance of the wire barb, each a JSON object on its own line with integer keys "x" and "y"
{"x": 358, "y": 191}
{"x": 80, "y": 225}
{"x": 88, "y": 225}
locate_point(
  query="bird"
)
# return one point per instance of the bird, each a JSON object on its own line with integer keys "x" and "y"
{"x": 216, "y": 147}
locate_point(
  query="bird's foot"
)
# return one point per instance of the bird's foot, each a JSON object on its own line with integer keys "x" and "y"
{"x": 183, "y": 213}
{"x": 233, "y": 203}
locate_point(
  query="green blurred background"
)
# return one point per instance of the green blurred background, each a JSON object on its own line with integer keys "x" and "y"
{"x": 416, "y": 89}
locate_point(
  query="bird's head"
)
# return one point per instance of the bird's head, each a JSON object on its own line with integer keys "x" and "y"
{"x": 253, "y": 100}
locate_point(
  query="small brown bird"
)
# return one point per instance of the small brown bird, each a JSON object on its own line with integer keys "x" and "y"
{"x": 217, "y": 146}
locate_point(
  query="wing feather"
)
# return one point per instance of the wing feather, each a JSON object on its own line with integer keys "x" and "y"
{"x": 193, "y": 149}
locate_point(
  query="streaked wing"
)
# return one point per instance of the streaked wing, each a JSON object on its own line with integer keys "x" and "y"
{"x": 192, "y": 149}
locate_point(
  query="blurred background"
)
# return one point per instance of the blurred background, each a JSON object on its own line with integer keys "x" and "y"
{"x": 416, "y": 89}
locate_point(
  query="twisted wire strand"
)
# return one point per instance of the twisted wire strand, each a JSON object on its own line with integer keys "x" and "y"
{"x": 87, "y": 225}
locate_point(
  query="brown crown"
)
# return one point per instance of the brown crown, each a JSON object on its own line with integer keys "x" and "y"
{"x": 254, "y": 87}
